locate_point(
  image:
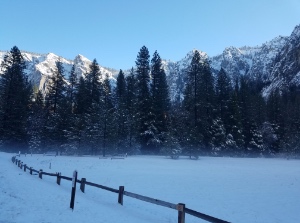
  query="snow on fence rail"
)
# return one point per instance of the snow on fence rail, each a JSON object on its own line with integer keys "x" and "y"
{"x": 180, "y": 207}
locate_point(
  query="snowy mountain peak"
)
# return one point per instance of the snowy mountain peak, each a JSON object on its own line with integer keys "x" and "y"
{"x": 190, "y": 54}
{"x": 296, "y": 33}
{"x": 80, "y": 58}
{"x": 271, "y": 62}
{"x": 39, "y": 67}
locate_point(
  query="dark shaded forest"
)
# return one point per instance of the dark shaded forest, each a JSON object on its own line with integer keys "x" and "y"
{"x": 215, "y": 116}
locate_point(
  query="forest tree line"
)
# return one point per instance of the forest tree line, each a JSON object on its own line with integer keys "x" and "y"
{"x": 215, "y": 115}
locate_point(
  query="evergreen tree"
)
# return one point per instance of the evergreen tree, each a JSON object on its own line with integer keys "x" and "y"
{"x": 253, "y": 137}
{"x": 199, "y": 103}
{"x": 207, "y": 104}
{"x": 143, "y": 100}
{"x": 81, "y": 110}
{"x": 176, "y": 137}
{"x": 191, "y": 104}
{"x": 56, "y": 89}
{"x": 82, "y": 100}
{"x": 218, "y": 137}
{"x": 15, "y": 95}
{"x": 71, "y": 89}
{"x": 94, "y": 82}
{"x": 121, "y": 113}
{"x": 71, "y": 133}
{"x": 235, "y": 138}
{"x": 56, "y": 105}
{"x": 36, "y": 123}
{"x": 223, "y": 93}
{"x": 131, "y": 109}
{"x": 290, "y": 143}
{"x": 92, "y": 129}
{"x": 107, "y": 117}
{"x": 160, "y": 101}
{"x": 274, "y": 114}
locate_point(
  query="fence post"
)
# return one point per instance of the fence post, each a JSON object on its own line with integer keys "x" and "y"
{"x": 24, "y": 167}
{"x": 121, "y": 193}
{"x": 30, "y": 170}
{"x": 82, "y": 185}
{"x": 16, "y": 162}
{"x": 73, "y": 189}
{"x": 58, "y": 178}
{"x": 41, "y": 174}
{"x": 21, "y": 165}
{"x": 181, "y": 213}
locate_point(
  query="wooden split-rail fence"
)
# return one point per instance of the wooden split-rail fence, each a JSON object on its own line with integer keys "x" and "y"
{"x": 180, "y": 207}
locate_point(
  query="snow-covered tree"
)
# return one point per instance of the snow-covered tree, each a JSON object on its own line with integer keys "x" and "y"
{"x": 15, "y": 97}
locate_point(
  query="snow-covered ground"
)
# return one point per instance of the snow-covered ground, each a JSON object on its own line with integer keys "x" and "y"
{"x": 233, "y": 189}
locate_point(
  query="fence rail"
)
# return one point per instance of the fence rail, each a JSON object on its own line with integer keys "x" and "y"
{"x": 151, "y": 200}
{"x": 66, "y": 178}
{"x": 102, "y": 187}
{"x": 180, "y": 207}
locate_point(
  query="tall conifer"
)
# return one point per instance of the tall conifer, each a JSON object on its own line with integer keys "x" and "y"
{"x": 143, "y": 99}
{"x": 160, "y": 101}
{"x": 121, "y": 113}
{"x": 15, "y": 95}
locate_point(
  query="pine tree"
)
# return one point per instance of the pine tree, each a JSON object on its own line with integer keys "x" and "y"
{"x": 291, "y": 141}
{"x": 107, "y": 117}
{"x": 207, "y": 104}
{"x": 81, "y": 108}
{"x": 235, "y": 138}
{"x": 94, "y": 82}
{"x": 121, "y": 113}
{"x": 251, "y": 130}
{"x": 92, "y": 113}
{"x": 71, "y": 89}
{"x": 218, "y": 137}
{"x": 82, "y": 100}
{"x": 71, "y": 133}
{"x": 143, "y": 99}
{"x": 131, "y": 110}
{"x": 56, "y": 105}
{"x": 36, "y": 123}
{"x": 176, "y": 137}
{"x": 191, "y": 104}
{"x": 199, "y": 104}
{"x": 56, "y": 89}
{"x": 274, "y": 114}
{"x": 15, "y": 95}
{"x": 223, "y": 93}
{"x": 160, "y": 101}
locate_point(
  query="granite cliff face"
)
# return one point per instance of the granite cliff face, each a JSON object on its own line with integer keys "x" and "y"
{"x": 275, "y": 63}
{"x": 285, "y": 70}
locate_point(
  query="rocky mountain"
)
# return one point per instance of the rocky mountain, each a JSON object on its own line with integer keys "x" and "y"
{"x": 39, "y": 67}
{"x": 285, "y": 70}
{"x": 276, "y": 63}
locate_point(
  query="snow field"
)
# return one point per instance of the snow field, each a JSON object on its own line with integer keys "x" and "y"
{"x": 232, "y": 189}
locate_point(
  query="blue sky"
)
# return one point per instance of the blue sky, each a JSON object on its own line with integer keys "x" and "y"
{"x": 113, "y": 31}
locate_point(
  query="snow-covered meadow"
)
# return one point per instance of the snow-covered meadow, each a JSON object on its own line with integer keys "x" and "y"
{"x": 233, "y": 189}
